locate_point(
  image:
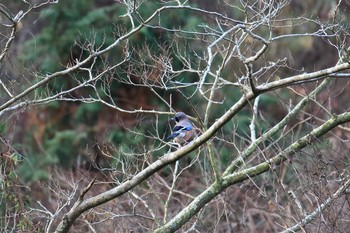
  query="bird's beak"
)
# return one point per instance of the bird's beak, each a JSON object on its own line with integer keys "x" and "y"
{"x": 172, "y": 119}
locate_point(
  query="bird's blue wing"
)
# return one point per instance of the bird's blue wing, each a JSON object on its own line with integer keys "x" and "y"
{"x": 179, "y": 128}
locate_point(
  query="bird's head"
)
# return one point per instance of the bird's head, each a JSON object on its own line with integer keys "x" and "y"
{"x": 179, "y": 116}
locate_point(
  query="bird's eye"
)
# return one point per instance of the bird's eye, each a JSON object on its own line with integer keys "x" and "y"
{"x": 177, "y": 118}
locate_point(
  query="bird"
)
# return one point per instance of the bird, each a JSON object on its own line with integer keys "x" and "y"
{"x": 183, "y": 131}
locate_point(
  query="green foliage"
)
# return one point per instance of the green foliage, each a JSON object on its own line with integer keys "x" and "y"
{"x": 35, "y": 166}
{"x": 65, "y": 145}
{"x": 65, "y": 23}
{"x": 87, "y": 113}
{"x": 118, "y": 137}
{"x": 71, "y": 21}
{"x": 3, "y": 128}
{"x": 61, "y": 149}
{"x": 226, "y": 156}
{"x": 12, "y": 203}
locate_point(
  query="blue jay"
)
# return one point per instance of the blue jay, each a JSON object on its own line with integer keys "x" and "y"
{"x": 183, "y": 130}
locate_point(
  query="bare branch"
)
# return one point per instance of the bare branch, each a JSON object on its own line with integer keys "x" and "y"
{"x": 323, "y": 206}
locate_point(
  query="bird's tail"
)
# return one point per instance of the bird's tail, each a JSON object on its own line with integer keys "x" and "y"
{"x": 172, "y": 136}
